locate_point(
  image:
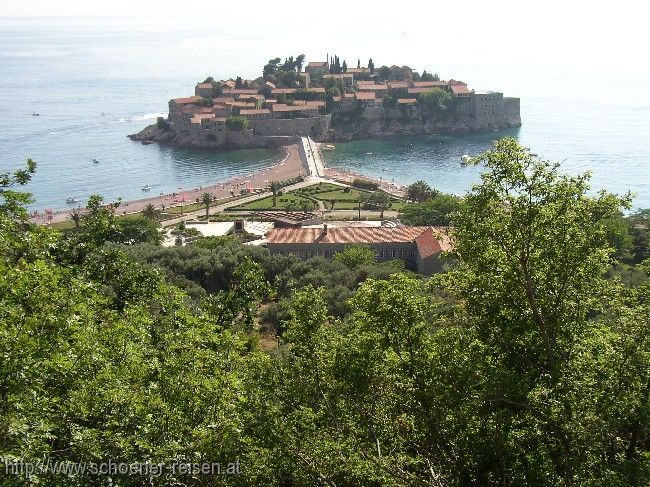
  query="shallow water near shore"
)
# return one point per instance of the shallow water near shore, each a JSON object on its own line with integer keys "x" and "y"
{"x": 92, "y": 85}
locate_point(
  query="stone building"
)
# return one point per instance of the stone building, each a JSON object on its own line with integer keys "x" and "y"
{"x": 419, "y": 247}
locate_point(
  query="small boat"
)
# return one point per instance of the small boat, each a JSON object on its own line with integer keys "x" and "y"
{"x": 36, "y": 114}
{"x": 327, "y": 147}
{"x": 368, "y": 153}
{"x": 95, "y": 161}
{"x": 147, "y": 142}
{"x": 385, "y": 169}
{"x": 71, "y": 200}
{"x": 464, "y": 160}
{"x": 146, "y": 188}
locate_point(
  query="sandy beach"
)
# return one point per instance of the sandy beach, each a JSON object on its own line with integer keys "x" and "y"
{"x": 345, "y": 176}
{"x": 289, "y": 167}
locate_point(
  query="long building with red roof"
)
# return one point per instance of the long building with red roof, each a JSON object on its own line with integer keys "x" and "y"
{"x": 420, "y": 247}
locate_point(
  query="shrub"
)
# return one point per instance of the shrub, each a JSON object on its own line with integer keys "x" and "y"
{"x": 162, "y": 124}
{"x": 365, "y": 184}
{"x": 237, "y": 123}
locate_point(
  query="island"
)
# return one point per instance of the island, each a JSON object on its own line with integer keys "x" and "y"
{"x": 329, "y": 102}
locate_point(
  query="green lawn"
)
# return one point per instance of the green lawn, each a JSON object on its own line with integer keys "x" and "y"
{"x": 266, "y": 203}
{"x": 325, "y": 192}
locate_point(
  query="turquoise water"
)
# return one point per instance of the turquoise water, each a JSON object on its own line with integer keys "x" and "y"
{"x": 93, "y": 83}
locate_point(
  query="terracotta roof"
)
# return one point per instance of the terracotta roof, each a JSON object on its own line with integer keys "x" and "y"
{"x": 251, "y": 97}
{"x": 337, "y": 98}
{"x": 422, "y": 89}
{"x": 459, "y": 89}
{"x": 427, "y": 244}
{"x": 360, "y": 235}
{"x": 193, "y": 109}
{"x": 358, "y": 70}
{"x": 349, "y": 95}
{"x": 257, "y": 111}
{"x": 240, "y": 92}
{"x": 335, "y": 76}
{"x": 406, "y": 101}
{"x": 420, "y": 84}
{"x": 373, "y": 87}
{"x": 283, "y": 91}
{"x": 280, "y": 107}
{"x": 365, "y": 82}
{"x": 200, "y": 116}
{"x": 317, "y": 64}
{"x": 456, "y": 82}
{"x": 204, "y": 85}
{"x": 370, "y": 95}
{"x": 270, "y": 85}
{"x": 229, "y": 83}
{"x": 315, "y": 103}
{"x": 395, "y": 85}
{"x": 185, "y": 101}
{"x": 240, "y": 104}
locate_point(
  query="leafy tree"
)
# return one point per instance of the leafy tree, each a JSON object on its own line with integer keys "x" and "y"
{"x": 437, "y": 211}
{"x": 355, "y": 256}
{"x": 237, "y": 123}
{"x": 420, "y": 191}
{"x": 13, "y": 201}
{"x": 371, "y": 66}
{"x": 383, "y": 74}
{"x": 133, "y": 230}
{"x": 300, "y": 61}
{"x": 435, "y": 102}
{"x": 271, "y": 68}
{"x": 533, "y": 251}
{"x": 239, "y": 84}
{"x": 76, "y": 217}
{"x": 378, "y": 200}
{"x": 344, "y": 67}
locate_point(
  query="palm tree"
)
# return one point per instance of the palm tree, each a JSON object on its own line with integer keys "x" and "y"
{"x": 207, "y": 199}
{"x": 275, "y": 187}
{"x": 75, "y": 216}
{"x": 150, "y": 212}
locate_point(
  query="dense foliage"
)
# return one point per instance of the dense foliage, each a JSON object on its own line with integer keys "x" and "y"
{"x": 528, "y": 363}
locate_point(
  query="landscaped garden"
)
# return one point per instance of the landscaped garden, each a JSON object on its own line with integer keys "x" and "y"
{"x": 333, "y": 196}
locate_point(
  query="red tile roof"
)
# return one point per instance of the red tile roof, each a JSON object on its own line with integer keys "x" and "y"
{"x": 422, "y": 89}
{"x": 358, "y": 235}
{"x": 204, "y": 85}
{"x": 258, "y": 111}
{"x": 317, "y": 64}
{"x": 280, "y": 107}
{"x": 459, "y": 89}
{"x": 395, "y": 85}
{"x": 370, "y": 95}
{"x": 373, "y": 87}
{"x": 419, "y": 84}
{"x": 359, "y": 70}
{"x": 185, "y": 101}
{"x": 240, "y": 92}
{"x": 283, "y": 91}
{"x": 407, "y": 101}
{"x": 336, "y": 76}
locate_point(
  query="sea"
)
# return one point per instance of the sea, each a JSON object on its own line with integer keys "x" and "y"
{"x": 94, "y": 82}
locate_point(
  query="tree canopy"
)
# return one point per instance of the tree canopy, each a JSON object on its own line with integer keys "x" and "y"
{"x": 525, "y": 363}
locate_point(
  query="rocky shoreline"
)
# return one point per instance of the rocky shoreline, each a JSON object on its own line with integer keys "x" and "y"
{"x": 154, "y": 134}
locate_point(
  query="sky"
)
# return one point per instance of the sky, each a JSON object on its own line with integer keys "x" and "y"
{"x": 598, "y": 35}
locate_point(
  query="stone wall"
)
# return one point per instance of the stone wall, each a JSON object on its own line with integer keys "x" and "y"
{"x": 511, "y": 111}
{"x": 293, "y": 127}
